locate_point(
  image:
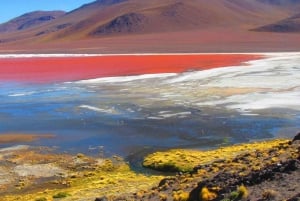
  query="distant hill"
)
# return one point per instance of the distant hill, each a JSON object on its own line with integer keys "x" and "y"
{"x": 105, "y": 17}
{"x": 228, "y": 21}
{"x": 30, "y": 20}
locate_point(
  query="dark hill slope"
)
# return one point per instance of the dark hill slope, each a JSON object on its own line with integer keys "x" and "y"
{"x": 281, "y": 2}
{"x": 289, "y": 25}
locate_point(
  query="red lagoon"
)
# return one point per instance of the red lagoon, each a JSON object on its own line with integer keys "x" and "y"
{"x": 70, "y": 68}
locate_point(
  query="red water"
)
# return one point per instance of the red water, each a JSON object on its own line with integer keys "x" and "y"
{"x": 58, "y": 69}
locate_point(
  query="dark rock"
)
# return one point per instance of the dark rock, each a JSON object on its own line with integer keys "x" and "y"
{"x": 228, "y": 181}
{"x": 296, "y": 138}
{"x": 194, "y": 194}
{"x": 295, "y": 198}
{"x": 102, "y": 199}
{"x": 166, "y": 181}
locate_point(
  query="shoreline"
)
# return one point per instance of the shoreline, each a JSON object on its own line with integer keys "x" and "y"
{"x": 31, "y": 170}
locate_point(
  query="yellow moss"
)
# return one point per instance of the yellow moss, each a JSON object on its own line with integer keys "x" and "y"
{"x": 216, "y": 188}
{"x": 243, "y": 192}
{"x": 184, "y": 160}
{"x": 180, "y": 196}
{"x": 256, "y": 168}
{"x": 113, "y": 177}
{"x": 274, "y": 159}
{"x": 202, "y": 172}
{"x": 41, "y": 199}
{"x": 206, "y": 195}
{"x": 109, "y": 180}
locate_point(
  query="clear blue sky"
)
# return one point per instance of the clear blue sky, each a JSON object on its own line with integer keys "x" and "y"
{"x": 13, "y": 8}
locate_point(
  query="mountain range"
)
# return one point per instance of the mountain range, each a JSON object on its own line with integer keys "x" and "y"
{"x": 147, "y": 26}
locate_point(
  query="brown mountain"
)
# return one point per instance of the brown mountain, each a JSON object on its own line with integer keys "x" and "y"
{"x": 141, "y": 25}
{"x": 104, "y": 17}
{"x": 30, "y": 20}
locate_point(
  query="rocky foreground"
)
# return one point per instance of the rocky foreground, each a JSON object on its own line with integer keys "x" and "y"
{"x": 267, "y": 170}
{"x": 258, "y": 171}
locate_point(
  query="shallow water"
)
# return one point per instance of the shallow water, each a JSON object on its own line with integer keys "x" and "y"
{"x": 126, "y": 115}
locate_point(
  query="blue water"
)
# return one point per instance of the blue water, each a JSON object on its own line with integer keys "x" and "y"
{"x": 56, "y": 109}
